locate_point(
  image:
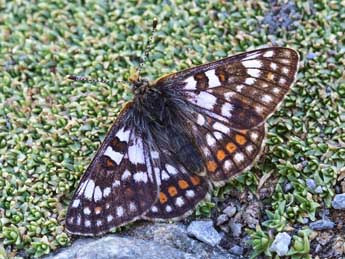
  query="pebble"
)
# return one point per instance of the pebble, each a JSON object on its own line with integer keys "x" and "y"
{"x": 281, "y": 244}
{"x": 204, "y": 231}
{"x": 230, "y": 211}
{"x": 339, "y": 201}
{"x": 222, "y": 219}
{"x": 236, "y": 229}
{"x": 322, "y": 224}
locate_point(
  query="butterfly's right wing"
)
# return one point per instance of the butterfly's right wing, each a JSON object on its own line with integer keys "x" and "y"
{"x": 118, "y": 186}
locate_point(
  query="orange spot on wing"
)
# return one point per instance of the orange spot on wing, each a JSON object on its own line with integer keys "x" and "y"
{"x": 240, "y": 139}
{"x": 109, "y": 162}
{"x": 220, "y": 155}
{"x": 183, "y": 184}
{"x": 98, "y": 210}
{"x": 231, "y": 147}
{"x": 211, "y": 166}
{"x": 195, "y": 180}
{"x": 221, "y": 77}
{"x": 162, "y": 198}
{"x": 270, "y": 76}
{"x": 172, "y": 191}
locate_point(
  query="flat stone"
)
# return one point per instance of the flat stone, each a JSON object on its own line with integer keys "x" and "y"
{"x": 322, "y": 224}
{"x": 281, "y": 244}
{"x": 339, "y": 201}
{"x": 230, "y": 211}
{"x": 204, "y": 231}
{"x": 110, "y": 247}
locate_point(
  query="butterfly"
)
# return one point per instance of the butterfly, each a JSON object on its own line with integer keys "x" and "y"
{"x": 180, "y": 136}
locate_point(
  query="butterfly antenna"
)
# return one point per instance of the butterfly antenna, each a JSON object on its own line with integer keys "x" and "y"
{"x": 149, "y": 46}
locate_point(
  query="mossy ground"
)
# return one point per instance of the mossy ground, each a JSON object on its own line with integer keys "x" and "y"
{"x": 51, "y": 127}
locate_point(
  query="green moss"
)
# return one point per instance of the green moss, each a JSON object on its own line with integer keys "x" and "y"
{"x": 50, "y": 127}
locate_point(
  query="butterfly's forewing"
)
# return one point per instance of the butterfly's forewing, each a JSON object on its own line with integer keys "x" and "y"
{"x": 241, "y": 91}
{"x": 118, "y": 186}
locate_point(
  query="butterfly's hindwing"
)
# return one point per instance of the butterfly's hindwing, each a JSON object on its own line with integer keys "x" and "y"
{"x": 180, "y": 190}
{"x": 118, "y": 186}
{"x": 226, "y": 151}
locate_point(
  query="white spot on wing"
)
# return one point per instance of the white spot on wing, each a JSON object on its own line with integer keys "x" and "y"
{"x": 250, "y": 148}
{"x": 239, "y": 157}
{"x": 221, "y": 127}
{"x": 132, "y": 206}
{"x": 228, "y": 95}
{"x": 239, "y": 88}
{"x": 252, "y": 63}
{"x": 226, "y": 110}
{"x": 190, "y": 83}
{"x": 154, "y": 154}
{"x": 89, "y": 189}
{"x": 210, "y": 140}
{"x": 98, "y": 194}
{"x": 266, "y": 98}
{"x": 285, "y": 70}
{"x": 213, "y": 80}
{"x": 126, "y": 174}
{"x": 116, "y": 183}
{"x": 218, "y": 135}
{"x": 99, "y": 222}
{"x": 106, "y": 191}
{"x": 165, "y": 175}
{"x": 201, "y": 120}
{"x": 171, "y": 169}
{"x": 254, "y": 72}
{"x": 205, "y": 100}
{"x": 115, "y": 156}
{"x": 154, "y": 209}
{"x": 78, "y": 220}
{"x": 123, "y": 135}
{"x": 179, "y": 202}
{"x": 228, "y": 165}
{"x": 268, "y": 54}
{"x": 119, "y": 211}
{"x": 136, "y": 152}
{"x": 76, "y": 203}
{"x": 254, "y": 136}
{"x": 87, "y": 223}
{"x": 282, "y": 81}
{"x": 168, "y": 208}
{"x": 273, "y": 66}
{"x": 109, "y": 218}
{"x": 140, "y": 177}
{"x": 86, "y": 211}
{"x": 249, "y": 81}
{"x": 190, "y": 193}
{"x": 252, "y": 55}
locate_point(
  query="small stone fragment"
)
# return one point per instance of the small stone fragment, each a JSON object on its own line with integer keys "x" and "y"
{"x": 230, "y": 211}
{"x": 281, "y": 244}
{"x": 236, "y": 250}
{"x": 236, "y": 229}
{"x": 322, "y": 224}
{"x": 339, "y": 201}
{"x": 311, "y": 184}
{"x": 204, "y": 231}
{"x": 222, "y": 219}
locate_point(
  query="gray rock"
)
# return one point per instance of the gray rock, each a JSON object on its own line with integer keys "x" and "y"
{"x": 111, "y": 247}
{"x": 230, "y": 211}
{"x": 237, "y": 250}
{"x": 322, "y": 224}
{"x": 236, "y": 229}
{"x": 339, "y": 201}
{"x": 318, "y": 190}
{"x": 281, "y": 244}
{"x": 222, "y": 219}
{"x": 204, "y": 231}
{"x": 311, "y": 184}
